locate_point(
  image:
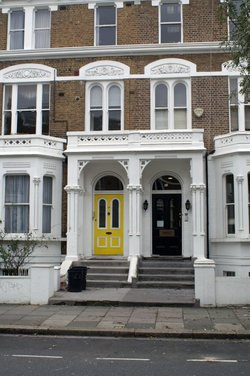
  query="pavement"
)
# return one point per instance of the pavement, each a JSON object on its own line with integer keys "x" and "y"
{"x": 70, "y": 315}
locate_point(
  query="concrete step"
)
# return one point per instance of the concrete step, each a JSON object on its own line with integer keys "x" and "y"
{"x": 166, "y": 264}
{"x": 101, "y": 276}
{"x": 105, "y": 262}
{"x": 165, "y": 284}
{"x": 108, "y": 270}
{"x": 167, "y": 270}
{"x": 165, "y": 277}
{"x": 106, "y": 284}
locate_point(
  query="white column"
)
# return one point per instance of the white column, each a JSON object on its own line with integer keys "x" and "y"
{"x": 28, "y": 27}
{"x": 135, "y": 218}
{"x": 36, "y": 215}
{"x": 198, "y": 213}
{"x": 73, "y": 193}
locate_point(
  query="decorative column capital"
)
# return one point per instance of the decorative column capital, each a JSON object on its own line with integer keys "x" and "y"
{"x": 73, "y": 189}
{"x": 198, "y": 187}
{"x": 137, "y": 187}
{"x": 239, "y": 178}
{"x": 36, "y": 180}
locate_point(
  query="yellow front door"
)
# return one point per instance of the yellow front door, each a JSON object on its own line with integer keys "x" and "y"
{"x": 108, "y": 224}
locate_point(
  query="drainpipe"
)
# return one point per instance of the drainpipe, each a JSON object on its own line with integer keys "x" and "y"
{"x": 207, "y": 198}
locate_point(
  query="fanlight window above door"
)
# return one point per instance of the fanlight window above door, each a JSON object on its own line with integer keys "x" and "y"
{"x": 166, "y": 183}
{"x": 109, "y": 183}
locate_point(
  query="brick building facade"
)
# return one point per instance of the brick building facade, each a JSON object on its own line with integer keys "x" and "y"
{"x": 123, "y": 132}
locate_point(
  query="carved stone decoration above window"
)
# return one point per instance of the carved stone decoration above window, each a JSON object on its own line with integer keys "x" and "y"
{"x": 170, "y": 67}
{"x": 27, "y": 72}
{"x": 105, "y": 69}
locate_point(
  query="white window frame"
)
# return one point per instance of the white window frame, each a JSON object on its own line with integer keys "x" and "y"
{"x": 50, "y": 205}
{"x": 170, "y": 23}
{"x": 105, "y": 86}
{"x": 18, "y": 204}
{"x": 96, "y": 27}
{"x": 14, "y": 110}
{"x": 29, "y": 23}
{"x": 37, "y": 29}
{"x": 241, "y": 106}
{"x": 229, "y": 204}
{"x": 170, "y": 83}
{"x": 9, "y": 27}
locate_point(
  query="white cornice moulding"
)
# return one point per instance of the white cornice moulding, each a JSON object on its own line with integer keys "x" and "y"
{"x": 27, "y": 72}
{"x": 94, "y": 4}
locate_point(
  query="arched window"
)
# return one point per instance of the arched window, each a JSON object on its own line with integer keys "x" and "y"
{"x": 161, "y": 106}
{"x": 166, "y": 183}
{"x": 114, "y": 108}
{"x": 109, "y": 183}
{"x": 180, "y": 106}
{"x": 96, "y": 110}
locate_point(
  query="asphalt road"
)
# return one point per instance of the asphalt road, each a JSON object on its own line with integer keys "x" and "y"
{"x": 73, "y": 356}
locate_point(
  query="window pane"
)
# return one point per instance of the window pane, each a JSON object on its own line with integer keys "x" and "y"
{"x": 180, "y": 119}
{"x": 170, "y": 33}
{"x": 180, "y": 97}
{"x": 45, "y": 98}
{"x": 229, "y": 189}
{"x": 47, "y": 190}
{"x": 106, "y": 15}
{"x": 45, "y": 122}
{"x": 161, "y": 96}
{"x": 47, "y": 203}
{"x": 8, "y": 97}
{"x": 96, "y": 97}
{"x": 7, "y": 123}
{"x": 106, "y": 35}
{"x": 166, "y": 182}
{"x": 115, "y": 214}
{"x": 17, "y": 20}
{"x": 247, "y": 117}
{"x": 26, "y": 98}
{"x": 42, "y": 19}
{"x": 42, "y": 39}
{"x": 17, "y": 203}
{"x": 114, "y": 120}
{"x": 17, "y": 189}
{"x": 26, "y": 122}
{"x": 234, "y": 91}
{"x": 230, "y": 219}
{"x": 234, "y": 118}
{"x": 115, "y": 97}
{"x": 17, "y": 30}
{"x": 96, "y": 120}
{"x": 161, "y": 119}
{"x": 170, "y": 13}
{"x": 102, "y": 214}
{"x": 109, "y": 183}
{"x": 16, "y": 40}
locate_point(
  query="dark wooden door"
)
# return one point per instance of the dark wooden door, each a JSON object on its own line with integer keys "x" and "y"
{"x": 167, "y": 224}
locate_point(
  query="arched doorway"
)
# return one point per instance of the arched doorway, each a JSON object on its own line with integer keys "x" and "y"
{"x": 108, "y": 216}
{"x": 167, "y": 218}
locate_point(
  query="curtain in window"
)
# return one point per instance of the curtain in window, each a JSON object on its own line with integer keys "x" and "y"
{"x": 96, "y": 108}
{"x": 161, "y": 107}
{"x": 114, "y": 108}
{"x": 180, "y": 106}
{"x": 26, "y": 106}
{"x": 17, "y": 30}
{"x": 47, "y": 204}
{"x": 17, "y": 204}
{"x": 42, "y": 28}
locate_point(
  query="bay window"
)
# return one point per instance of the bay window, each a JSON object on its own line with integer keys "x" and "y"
{"x": 17, "y": 203}
{"x": 239, "y": 105}
{"x": 26, "y": 109}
